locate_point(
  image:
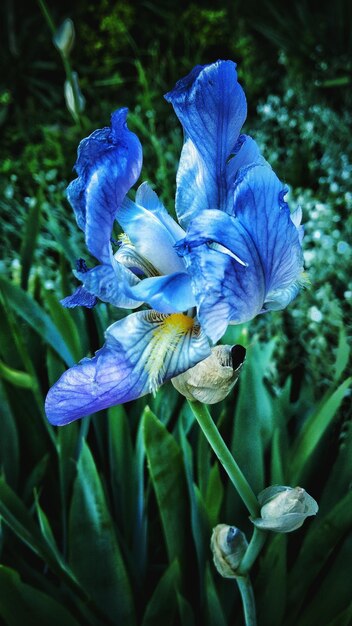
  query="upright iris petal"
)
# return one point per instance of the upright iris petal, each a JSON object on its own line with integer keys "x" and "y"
{"x": 108, "y": 164}
{"x": 142, "y": 351}
{"x": 212, "y": 108}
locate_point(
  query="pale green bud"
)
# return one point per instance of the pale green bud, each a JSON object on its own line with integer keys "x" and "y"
{"x": 228, "y": 545}
{"x": 284, "y": 509}
{"x": 64, "y": 37}
{"x": 75, "y": 101}
{"x": 211, "y": 380}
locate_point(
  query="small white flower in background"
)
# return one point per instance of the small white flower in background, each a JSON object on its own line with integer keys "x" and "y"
{"x": 284, "y": 509}
{"x": 228, "y": 545}
{"x": 212, "y": 379}
{"x": 64, "y": 37}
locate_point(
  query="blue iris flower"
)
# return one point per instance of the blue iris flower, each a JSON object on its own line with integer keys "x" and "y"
{"x": 235, "y": 253}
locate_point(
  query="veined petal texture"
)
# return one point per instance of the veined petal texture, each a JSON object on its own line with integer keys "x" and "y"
{"x": 152, "y": 230}
{"x": 238, "y": 263}
{"x": 141, "y": 351}
{"x": 166, "y": 294}
{"x": 108, "y": 164}
{"x": 211, "y": 107}
{"x": 107, "y": 282}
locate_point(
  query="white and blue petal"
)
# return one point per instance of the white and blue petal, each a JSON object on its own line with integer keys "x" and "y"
{"x": 166, "y": 294}
{"x": 108, "y": 164}
{"x": 225, "y": 270}
{"x": 211, "y": 107}
{"x": 246, "y": 263}
{"x": 107, "y": 282}
{"x": 141, "y": 352}
{"x": 152, "y": 231}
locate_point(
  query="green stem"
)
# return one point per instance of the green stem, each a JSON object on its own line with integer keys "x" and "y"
{"x": 225, "y": 457}
{"x": 64, "y": 59}
{"x": 255, "y": 545}
{"x": 247, "y": 596}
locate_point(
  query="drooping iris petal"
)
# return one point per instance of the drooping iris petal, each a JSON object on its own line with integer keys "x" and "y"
{"x": 211, "y": 107}
{"x": 81, "y": 297}
{"x": 153, "y": 233}
{"x": 239, "y": 263}
{"x": 108, "y": 164}
{"x": 107, "y": 282}
{"x": 166, "y": 294}
{"x": 141, "y": 352}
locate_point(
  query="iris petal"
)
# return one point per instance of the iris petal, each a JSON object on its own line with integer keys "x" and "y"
{"x": 166, "y": 294}
{"x": 211, "y": 107}
{"x": 153, "y": 233}
{"x": 107, "y": 282}
{"x": 141, "y": 352}
{"x": 261, "y": 209}
{"x": 81, "y": 297}
{"x": 259, "y": 259}
{"x": 108, "y": 164}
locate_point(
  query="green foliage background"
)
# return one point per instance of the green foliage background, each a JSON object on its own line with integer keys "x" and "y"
{"x": 108, "y": 521}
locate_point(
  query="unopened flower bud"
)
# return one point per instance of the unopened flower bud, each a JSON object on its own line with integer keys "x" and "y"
{"x": 211, "y": 380}
{"x": 64, "y": 37}
{"x": 75, "y": 101}
{"x": 228, "y": 545}
{"x": 284, "y": 509}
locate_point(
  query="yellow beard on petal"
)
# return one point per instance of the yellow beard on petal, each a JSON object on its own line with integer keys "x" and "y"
{"x": 166, "y": 338}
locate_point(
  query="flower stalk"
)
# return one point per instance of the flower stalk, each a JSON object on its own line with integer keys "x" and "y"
{"x": 254, "y": 548}
{"x": 246, "y": 590}
{"x": 205, "y": 421}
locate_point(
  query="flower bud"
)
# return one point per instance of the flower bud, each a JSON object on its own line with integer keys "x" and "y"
{"x": 64, "y": 37}
{"x": 211, "y": 380}
{"x": 75, "y": 101}
{"x": 228, "y": 545}
{"x": 284, "y": 509}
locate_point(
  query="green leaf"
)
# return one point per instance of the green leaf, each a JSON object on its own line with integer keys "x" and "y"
{"x": 167, "y": 472}
{"x": 17, "y": 517}
{"x": 27, "y": 308}
{"x": 339, "y": 480}
{"x": 342, "y": 355}
{"x": 162, "y": 606}
{"x": 199, "y": 518}
{"x": 63, "y": 320}
{"x": 215, "y": 615}
{"x": 321, "y": 539}
{"x": 253, "y": 422}
{"x": 334, "y": 592}
{"x": 214, "y": 495}
{"x": 343, "y": 619}
{"x": 15, "y": 377}
{"x": 23, "y": 604}
{"x": 185, "y": 611}
{"x": 277, "y": 469}
{"x": 47, "y": 532}
{"x": 163, "y": 404}
{"x": 122, "y": 471}
{"x": 313, "y": 430}
{"x": 29, "y": 241}
{"x": 9, "y": 443}
{"x": 271, "y": 584}
{"x": 94, "y": 553}
{"x": 35, "y": 477}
